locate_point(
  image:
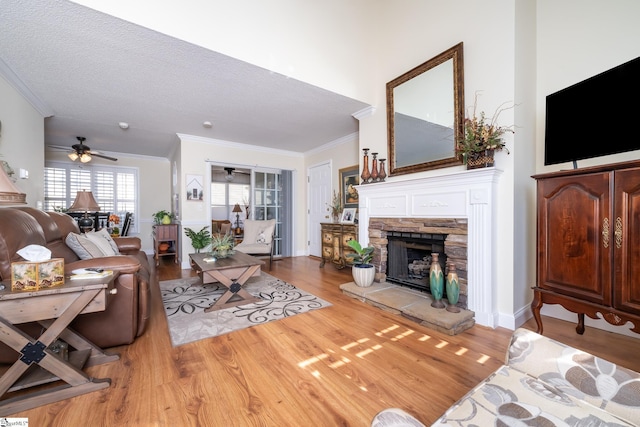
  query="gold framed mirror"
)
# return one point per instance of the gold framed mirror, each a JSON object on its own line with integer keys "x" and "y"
{"x": 425, "y": 114}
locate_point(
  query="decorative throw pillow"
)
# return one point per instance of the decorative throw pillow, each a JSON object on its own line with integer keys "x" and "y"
{"x": 101, "y": 236}
{"x": 103, "y": 240}
{"x": 82, "y": 246}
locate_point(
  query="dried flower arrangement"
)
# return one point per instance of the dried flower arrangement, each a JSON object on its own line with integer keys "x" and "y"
{"x": 481, "y": 133}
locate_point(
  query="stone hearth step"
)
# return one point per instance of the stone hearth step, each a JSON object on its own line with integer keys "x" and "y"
{"x": 412, "y": 304}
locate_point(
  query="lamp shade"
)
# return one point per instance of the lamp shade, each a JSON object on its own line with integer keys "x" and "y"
{"x": 9, "y": 193}
{"x": 237, "y": 208}
{"x": 84, "y": 202}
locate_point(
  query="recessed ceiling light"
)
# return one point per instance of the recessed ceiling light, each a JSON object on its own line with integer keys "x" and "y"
{"x": 207, "y": 124}
{"x": 123, "y": 125}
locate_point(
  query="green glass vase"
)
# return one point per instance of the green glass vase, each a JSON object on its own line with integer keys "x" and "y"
{"x": 453, "y": 288}
{"x": 436, "y": 282}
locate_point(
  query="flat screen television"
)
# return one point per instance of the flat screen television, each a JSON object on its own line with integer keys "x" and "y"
{"x": 595, "y": 117}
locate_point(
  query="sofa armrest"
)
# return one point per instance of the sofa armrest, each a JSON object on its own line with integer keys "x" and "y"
{"x": 395, "y": 417}
{"x": 121, "y": 263}
{"x": 128, "y": 244}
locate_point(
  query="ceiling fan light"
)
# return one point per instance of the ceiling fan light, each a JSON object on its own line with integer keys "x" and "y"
{"x": 85, "y": 158}
{"x": 73, "y": 156}
{"x": 229, "y": 176}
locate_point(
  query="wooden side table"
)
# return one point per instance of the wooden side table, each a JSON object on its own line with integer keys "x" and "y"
{"x": 54, "y": 309}
{"x": 166, "y": 233}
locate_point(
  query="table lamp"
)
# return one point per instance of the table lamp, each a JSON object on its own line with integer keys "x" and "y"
{"x": 85, "y": 202}
{"x": 237, "y": 209}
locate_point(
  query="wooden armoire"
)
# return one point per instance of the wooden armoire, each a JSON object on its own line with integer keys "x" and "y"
{"x": 588, "y": 244}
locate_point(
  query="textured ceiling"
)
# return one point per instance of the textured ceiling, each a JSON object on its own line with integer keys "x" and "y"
{"x": 93, "y": 70}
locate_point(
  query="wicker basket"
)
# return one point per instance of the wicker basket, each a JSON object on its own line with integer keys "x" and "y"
{"x": 481, "y": 159}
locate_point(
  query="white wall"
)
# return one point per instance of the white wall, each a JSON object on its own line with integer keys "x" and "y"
{"x": 575, "y": 46}
{"x": 324, "y": 43}
{"x": 21, "y": 141}
{"x": 577, "y": 39}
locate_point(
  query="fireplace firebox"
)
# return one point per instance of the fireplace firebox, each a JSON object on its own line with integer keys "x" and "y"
{"x": 409, "y": 257}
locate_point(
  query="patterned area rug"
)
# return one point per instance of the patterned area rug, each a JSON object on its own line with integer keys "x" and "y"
{"x": 185, "y": 300}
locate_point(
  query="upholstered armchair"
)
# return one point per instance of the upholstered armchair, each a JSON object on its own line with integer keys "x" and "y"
{"x": 258, "y": 238}
{"x": 220, "y": 226}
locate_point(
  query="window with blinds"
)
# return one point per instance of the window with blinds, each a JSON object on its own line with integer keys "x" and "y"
{"x": 114, "y": 188}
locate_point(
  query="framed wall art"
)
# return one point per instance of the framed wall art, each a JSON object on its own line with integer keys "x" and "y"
{"x": 348, "y": 180}
{"x": 194, "y": 188}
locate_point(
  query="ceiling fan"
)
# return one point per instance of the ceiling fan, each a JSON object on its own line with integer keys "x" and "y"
{"x": 84, "y": 153}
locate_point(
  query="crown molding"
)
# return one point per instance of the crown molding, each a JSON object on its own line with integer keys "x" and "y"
{"x": 12, "y": 78}
{"x": 364, "y": 113}
{"x": 342, "y": 140}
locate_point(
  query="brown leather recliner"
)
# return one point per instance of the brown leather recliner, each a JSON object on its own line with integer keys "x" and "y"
{"x": 128, "y": 311}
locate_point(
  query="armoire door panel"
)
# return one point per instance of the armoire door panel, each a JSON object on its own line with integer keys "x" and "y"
{"x": 574, "y": 230}
{"x": 626, "y": 232}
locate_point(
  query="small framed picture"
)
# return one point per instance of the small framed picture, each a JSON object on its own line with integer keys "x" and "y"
{"x": 348, "y": 215}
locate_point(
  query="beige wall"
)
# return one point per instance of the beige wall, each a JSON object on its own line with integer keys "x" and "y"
{"x": 21, "y": 141}
{"x": 340, "y": 154}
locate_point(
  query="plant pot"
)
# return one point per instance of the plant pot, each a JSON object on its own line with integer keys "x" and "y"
{"x": 480, "y": 159}
{"x": 363, "y": 274}
{"x": 166, "y": 220}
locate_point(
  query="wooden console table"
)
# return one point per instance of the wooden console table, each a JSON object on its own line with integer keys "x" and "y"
{"x": 54, "y": 309}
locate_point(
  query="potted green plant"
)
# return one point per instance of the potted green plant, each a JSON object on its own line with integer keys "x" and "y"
{"x": 163, "y": 217}
{"x": 363, "y": 271}
{"x": 222, "y": 245}
{"x": 199, "y": 239}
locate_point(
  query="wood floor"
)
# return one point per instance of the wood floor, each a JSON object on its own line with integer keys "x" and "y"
{"x": 336, "y": 366}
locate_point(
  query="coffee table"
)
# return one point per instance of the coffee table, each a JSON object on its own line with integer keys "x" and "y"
{"x": 232, "y": 272}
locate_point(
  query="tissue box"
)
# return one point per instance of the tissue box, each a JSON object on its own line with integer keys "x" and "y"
{"x": 32, "y": 276}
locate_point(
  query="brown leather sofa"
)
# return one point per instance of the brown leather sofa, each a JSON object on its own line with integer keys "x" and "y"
{"x": 128, "y": 311}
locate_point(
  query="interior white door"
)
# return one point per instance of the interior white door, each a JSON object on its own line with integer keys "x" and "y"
{"x": 319, "y": 191}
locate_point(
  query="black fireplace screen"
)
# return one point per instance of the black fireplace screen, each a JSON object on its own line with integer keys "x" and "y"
{"x": 409, "y": 257}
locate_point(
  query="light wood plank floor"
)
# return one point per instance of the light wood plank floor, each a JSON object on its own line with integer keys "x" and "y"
{"x": 336, "y": 366}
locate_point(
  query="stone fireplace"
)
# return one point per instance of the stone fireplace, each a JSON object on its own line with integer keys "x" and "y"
{"x": 451, "y": 232}
{"x": 459, "y": 204}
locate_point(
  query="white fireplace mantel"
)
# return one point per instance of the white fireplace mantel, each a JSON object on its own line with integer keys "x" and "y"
{"x": 469, "y": 194}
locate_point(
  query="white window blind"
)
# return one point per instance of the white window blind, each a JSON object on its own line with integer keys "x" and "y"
{"x": 114, "y": 188}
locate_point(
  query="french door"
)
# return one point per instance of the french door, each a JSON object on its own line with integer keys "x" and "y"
{"x": 272, "y": 199}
